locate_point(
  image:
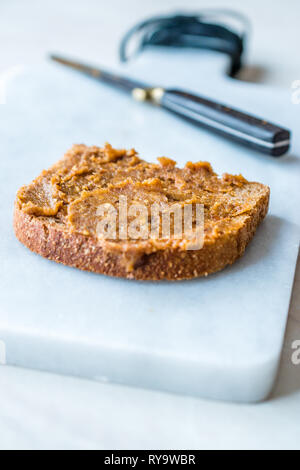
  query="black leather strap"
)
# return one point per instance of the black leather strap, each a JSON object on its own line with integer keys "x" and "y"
{"x": 210, "y": 29}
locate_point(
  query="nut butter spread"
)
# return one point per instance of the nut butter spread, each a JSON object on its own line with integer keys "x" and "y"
{"x": 70, "y": 192}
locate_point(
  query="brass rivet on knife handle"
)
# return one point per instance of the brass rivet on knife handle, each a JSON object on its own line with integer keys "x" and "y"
{"x": 153, "y": 95}
{"x": 156, "y": 94}
{"x": 140, "y": 94}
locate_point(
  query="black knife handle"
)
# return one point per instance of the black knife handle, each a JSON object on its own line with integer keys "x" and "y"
{"x": 249, "y": 130}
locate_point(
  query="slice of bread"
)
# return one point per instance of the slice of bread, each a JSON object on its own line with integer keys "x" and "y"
{"x": 57, "y": 215}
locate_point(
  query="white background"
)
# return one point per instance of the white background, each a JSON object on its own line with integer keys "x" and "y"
{"x": 40, "y": 410}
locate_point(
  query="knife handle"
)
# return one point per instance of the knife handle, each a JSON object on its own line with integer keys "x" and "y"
{"x": 235, "y": 125}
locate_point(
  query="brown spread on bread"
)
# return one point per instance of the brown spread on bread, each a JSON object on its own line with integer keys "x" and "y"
{"x": 68, "y": 195}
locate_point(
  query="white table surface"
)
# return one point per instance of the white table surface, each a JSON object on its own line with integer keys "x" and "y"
{"x": 40, "y": 410}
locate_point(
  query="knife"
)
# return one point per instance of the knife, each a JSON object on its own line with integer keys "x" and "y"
{"x": 246, "y": 129}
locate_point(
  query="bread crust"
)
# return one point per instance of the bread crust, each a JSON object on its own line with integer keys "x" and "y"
{"x": 86, "y": 253}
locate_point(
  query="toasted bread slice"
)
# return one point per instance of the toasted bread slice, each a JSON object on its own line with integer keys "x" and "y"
{"x": 57, "y": 215}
